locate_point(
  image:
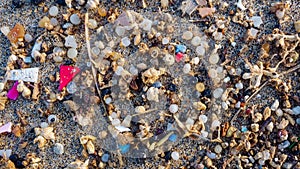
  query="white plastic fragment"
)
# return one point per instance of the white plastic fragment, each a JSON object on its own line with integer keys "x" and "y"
{"x": 26, "y": 75}
{"x": 6, "y": 128}
{"x": 36, "y": 47}
{"x": 296, "y": 110}
{"x": 175, "y": 155}
{"x": 5, "y": 153}
{"x": 257, "y": 21}
{"x": 122, "y": 128}
{"x": 5, "y": 30}
{"x": 53, "y": 11}
{"x": 58, "y": 148}
{"x": 240, "y": 5}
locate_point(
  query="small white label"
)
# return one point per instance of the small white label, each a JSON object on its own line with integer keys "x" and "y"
{"x": 26, "y": 75}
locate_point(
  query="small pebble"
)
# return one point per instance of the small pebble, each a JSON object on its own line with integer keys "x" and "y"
{"x": 217, "y": 93}
{"x": 95, "y": 51}
{"x": 125, "y": 41}
{"x": 70, "y": 41}
{"x": 146, "y": 24}
{"x": 173, "y": 108}
{"x": 92, "y": 24}
{"x": 115, "y": 122}
{"x": 53, "y": 11}
{"x": 120, "y": 30}
{"x": 105, "y": 157}
{"x": 218, "y": 149}
{"x": 239, "y": 85}
{"x": 108, "y": 100}
{"x": 187, "y": 35}
{"x": 5, "y": 30}
{"x": 203, "y": 118}
{"x": 211, "y": 155}
{"x": 200, "y": 87}
{"x": 27, "y": 60}
{"x": 44, "y": 124}
{"x": 175, "y": 155}
{"x": 74, "y": 19}
{"x": 28, "y": 38}
{"x": 298, "y": 121}
{"x": 200, "y": 50}
{"x": 52, "y": 119}
{"x": 196, "y": 60}
{"x": 119, "y": 70}
{"x": 297, "y": 26}
{"x": 215, "y": 124}
{"x": 214, "y": 58}
{"x": 54, "y": 21}
{"x": 275, "y": 105}
{"x": 187, "y": 68}
{"x": 58, "y": 148}
{"x": 133, "y": 70}
{"x": 196, "y": 41}
{"x": 296, "y": 110}
{"x": 72, "y": 87}
{"x": 169, "y": 59}
{"x": 213, "y": 73}
{"x": 257, "y": 21}
{"x": 165, "y": 41}
{"x": 72, "y": 53}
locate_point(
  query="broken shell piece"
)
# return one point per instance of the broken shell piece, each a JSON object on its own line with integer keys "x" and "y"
{"x": 41, "y": 141}
{"x": 90, "y": 147}
{"x": 26, "y": 92}
{"x": 206, "y": 11}
{"x": 283, "y": 124}
{"x": 85, "y": 139}
{"x": 3, "y": 101}
{"x": 297, "y": 26}
{"x": 199, "y": 106}
{"x": 47, "y": 133}
{"x": 140, "y": 109}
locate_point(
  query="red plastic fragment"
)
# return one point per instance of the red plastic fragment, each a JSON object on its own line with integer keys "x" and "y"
{"x": 13, "y": 92}
{"x": 179, "y": 56}
{"x": 67, "y": 73}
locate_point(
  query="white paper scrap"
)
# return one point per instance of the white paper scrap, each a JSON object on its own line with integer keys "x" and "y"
{"x": 26, "y": 75}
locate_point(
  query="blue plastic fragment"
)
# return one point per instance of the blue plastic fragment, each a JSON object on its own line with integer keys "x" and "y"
{"x": 173, "y": 137}
{"x": 105, "y": 157}
{"x": 124, "y": 148}
{"x": 180, "y": 48}
{"x": 244, "y": 129}
{"x": 157, "y": 85}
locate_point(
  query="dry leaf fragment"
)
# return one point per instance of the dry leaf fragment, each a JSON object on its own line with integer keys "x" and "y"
{"x": 206, "y": 11}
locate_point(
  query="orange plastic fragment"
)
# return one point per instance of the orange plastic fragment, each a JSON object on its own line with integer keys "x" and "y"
{"x": 17, "y": 32}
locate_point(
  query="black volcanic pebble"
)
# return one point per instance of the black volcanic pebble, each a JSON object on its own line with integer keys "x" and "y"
{"x": 36, "y": 2}
{"x": 17, "y": 3}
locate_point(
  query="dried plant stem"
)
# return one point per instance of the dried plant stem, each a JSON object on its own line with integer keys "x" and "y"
{"x": 238, "y": 112}
{"x": 87, "y": 39}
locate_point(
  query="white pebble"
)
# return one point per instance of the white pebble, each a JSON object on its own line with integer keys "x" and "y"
{"x": 173, "y": 108}
{"x": 238, "y": 105}
{"x": 214, "y": 58}
{"x": 5, "y": 30}
{"x": 72, "y": 53}
{"x": 133, "y": 70}
{"x": 54, "y": 21}
{"x": 175, "y": 155}
{"x": 99, "y": 44}
{"x": 196, "y": 41}
{"x": 95, "y": 51}
{"x": 279, "y": 112}
{"x": 200, "y": 50}
{"x": 218, "y": 92}
{"x": 224, "y": 105}
{"x": 119, "y": 70}
{"x": 187, "y": 35}
{"x": 108, "y": 100}
{"x": 275, "y": 105}
{"x": 218, "y": 149}
{"x": 196, "y": 60}
{"x": 120, "y": 30}
{"x": 204, "y": 133}
{"x": 74, "y": 19}
{"x": 70, "y": 41}
{"x": 53, "y": 11}
{"x": 115, "y": 122}
{"x": 58, "y": 148}
{"x": 187, "y": 68}
{"x": 125, "y": 41}
{"x": 212, "y": 73}
{"x": 227, "y": 79}
{"x": 44, "y": 125}
{"x": 239, "y": 85}
{"x": 28, "y": 37}
{"x": 92, "y": 24}
{"x": 215, "y": 124}
{"x": 146, "y": 24}
{"x": 203, "y": 118}
{"x": 165, "y": 41}
{"x": 298, "y": 121}
{"x": 169, "y": 59}
{"x": 257, "y": 21}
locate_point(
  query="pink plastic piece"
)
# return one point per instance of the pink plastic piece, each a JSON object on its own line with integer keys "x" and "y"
{"x": 6, "y": 128}
{"x": 179, "y": 56}
{"x": 13, "y": 92}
